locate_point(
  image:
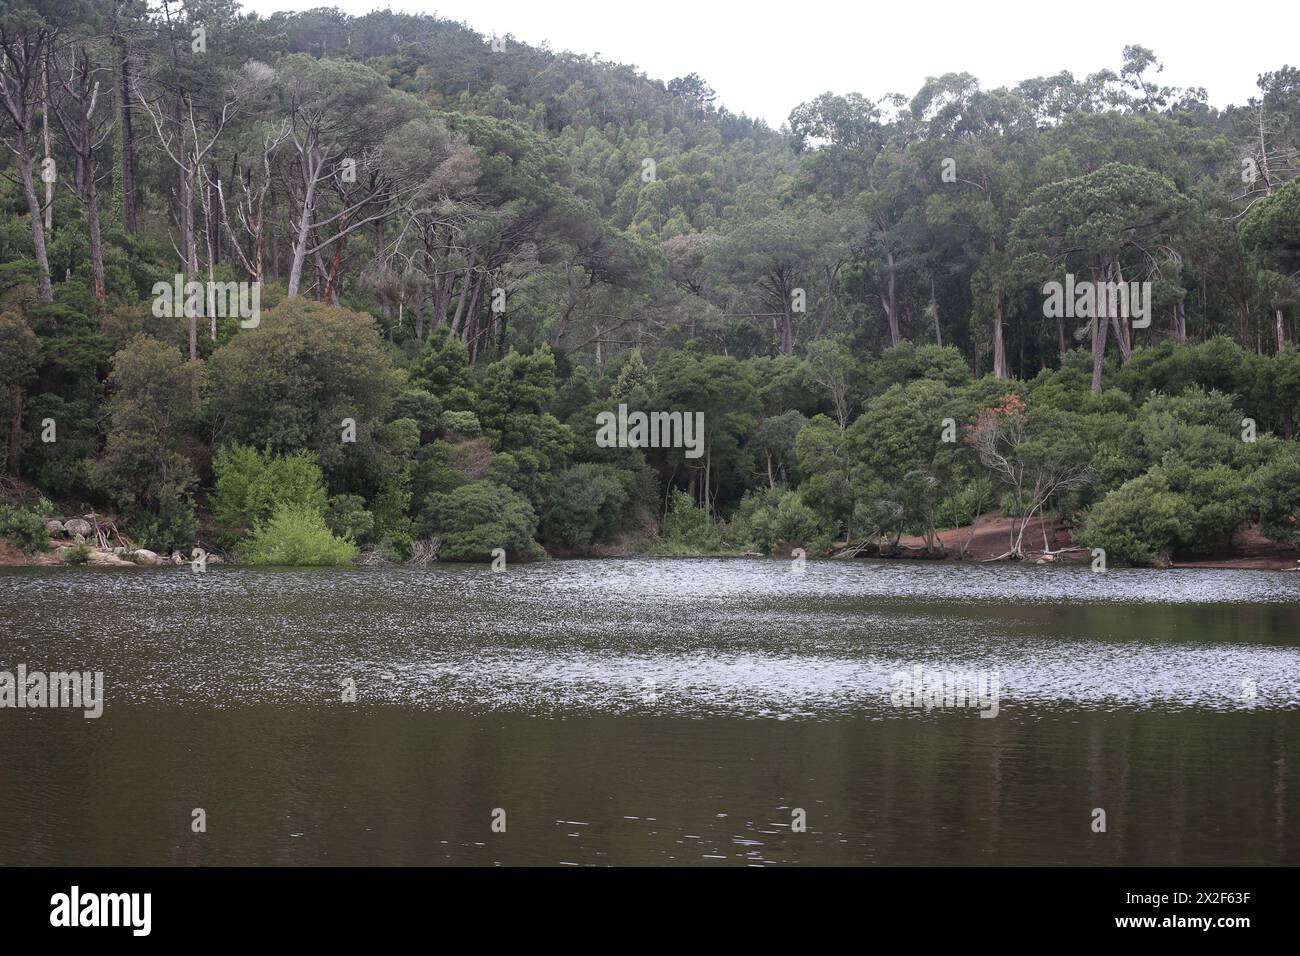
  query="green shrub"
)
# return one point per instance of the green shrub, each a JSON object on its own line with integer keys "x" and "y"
{"x": 1275, "y": 492}
{"x": 587, "y": 502}
{"x": 465, "y": 424}
{"x": 347, "y": 517}
{"x": 1141, "y": 522}
{"x": 296, "y": 536}
{"x": 961, "y": 509}
{"x": 25, "y": 527}
{"x": 477, "y": 517}
{"x": 690, "y": 527}
{"x": 251, "y": 486}
{"x": 79, "y": 553}
{"x": 777, "y": 515}
{"x": 421, "y": 407}
{"x": 173, "y": 525}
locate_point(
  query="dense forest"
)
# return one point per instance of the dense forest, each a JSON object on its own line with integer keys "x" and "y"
{"x": 453, "y": 252}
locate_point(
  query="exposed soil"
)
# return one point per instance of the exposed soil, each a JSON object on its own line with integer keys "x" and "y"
{"x": 990, "y": 537}
{"x": 11, "y": 557}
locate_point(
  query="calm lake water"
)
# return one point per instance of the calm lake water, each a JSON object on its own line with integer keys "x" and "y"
{"x": 653, "y": 712}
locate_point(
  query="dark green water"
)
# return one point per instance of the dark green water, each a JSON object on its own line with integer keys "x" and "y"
{"x": 654, "y": 712}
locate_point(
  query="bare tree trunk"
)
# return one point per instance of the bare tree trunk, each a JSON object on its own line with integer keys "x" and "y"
{"x": 311, "y": 174}
{"x": 999, "y": 346}
{"x": 49, "y": 144}
{"x": 890, "y": 305}
{"x": 1281, "y": 332}
{"x": 128, "y": 136}
{"x": 934, "y": 314}
{"x": 464, "y": 295}
{"x": 1099, "y": 327}
{"x": 23, "y": 149}
{"x": 96, "y": 240}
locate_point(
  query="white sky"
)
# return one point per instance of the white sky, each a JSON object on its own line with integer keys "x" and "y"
{"x": 763, "y": 58}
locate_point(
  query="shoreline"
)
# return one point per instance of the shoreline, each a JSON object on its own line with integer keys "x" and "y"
{"x": 983, "y": 543}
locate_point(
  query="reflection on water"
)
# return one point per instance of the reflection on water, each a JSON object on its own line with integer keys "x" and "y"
{"x": 650, "y": 711}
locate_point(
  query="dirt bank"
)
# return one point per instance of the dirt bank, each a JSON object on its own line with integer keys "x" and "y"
{"x": 990, "y": 537}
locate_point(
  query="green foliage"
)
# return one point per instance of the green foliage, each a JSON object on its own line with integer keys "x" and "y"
{"x": 288, "y": 384}
{"x": 25, "y": 527}
{"x": 154, "y": 402}
{"x": 348, "y": 518}
{"x": 171, "y": 525}
{"x": 1138, "y": 523}
{"x": 251, "y": 486}
{"x": 478, "y": 517}
{"x": 588, "y": 502}
{"x": 1275, "y": 491}
{"x": 297, "y": 536}
{"x": 966, "y": 504}
{"x": 421, "y": 407}
{"x": 444, "y": 372}
{"x": 778, "y": 516}
{"x": 690, "y": 527}
{"x": 463, "y": 424}
{"x": 79, "y": 553}
{"x": 787, "y": 285}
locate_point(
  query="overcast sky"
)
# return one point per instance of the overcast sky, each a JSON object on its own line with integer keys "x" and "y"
{"x": 764, "y": 58}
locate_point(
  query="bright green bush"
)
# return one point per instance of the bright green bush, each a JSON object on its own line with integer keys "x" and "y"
{"x": 251, "y": 486}
{"x": 296, "y": 536}
{"x": 465, "y": 424}
{"x": 79, "y": 553}
{"x": 961, "y": 509}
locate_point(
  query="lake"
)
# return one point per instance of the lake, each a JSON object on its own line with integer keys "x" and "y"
{"x": 646, "y": 711}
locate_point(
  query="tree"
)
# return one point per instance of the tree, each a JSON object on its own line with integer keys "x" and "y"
{"x": 20, "y": 351}
{"x": 477, "y": 518}
{"x": 290, "y": 383}
{"x": 1036, "y": 457}
{"x": 831, "y": 367}
{"x": 28, "y": 32}
{"x": 148, "y": 460}
{"x": 1093, "y": 222}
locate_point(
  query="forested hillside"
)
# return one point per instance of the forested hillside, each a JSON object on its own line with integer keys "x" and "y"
{"x": 454, "y": 251}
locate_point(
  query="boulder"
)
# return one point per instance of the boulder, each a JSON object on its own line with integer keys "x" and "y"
{"x": 101, "y": 558}
{"x": 54, "y": 526}
{"x": 77, "y": 526}
{"x": 145, "y": 556}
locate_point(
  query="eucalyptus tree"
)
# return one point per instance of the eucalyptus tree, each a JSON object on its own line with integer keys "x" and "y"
{"x": 339, "y": 114}
{"x": 86, "y": 121}
{"x": 977, "y": 151}
{"x": 1099, "y": 222}
{"x": 30, "y": 31}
